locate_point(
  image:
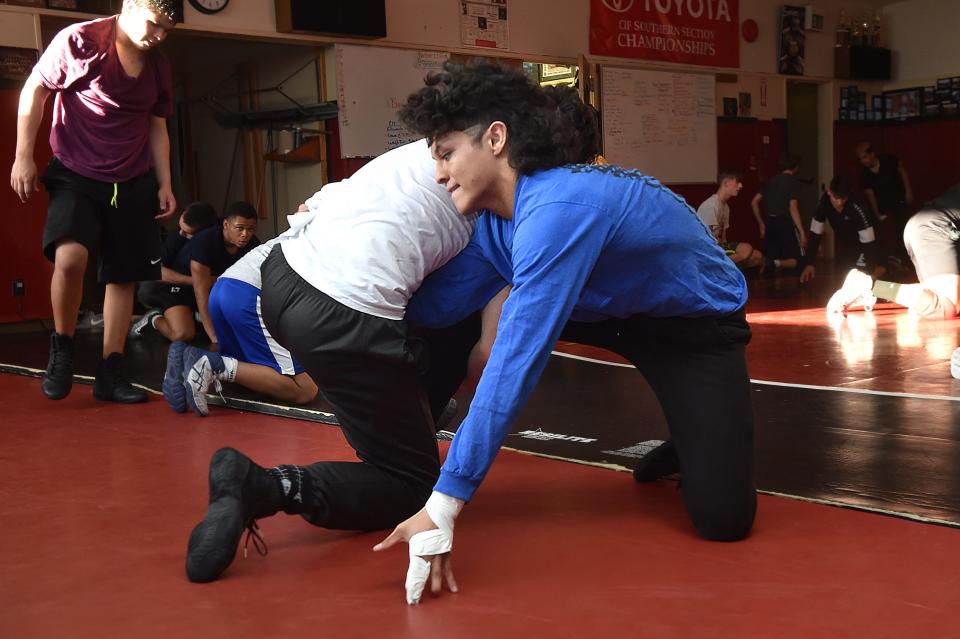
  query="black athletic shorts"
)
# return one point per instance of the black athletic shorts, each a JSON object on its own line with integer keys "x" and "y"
{"x": 164, "y": 295}
{"x": 123, "y": 229}
{"x": 781, "y": 240}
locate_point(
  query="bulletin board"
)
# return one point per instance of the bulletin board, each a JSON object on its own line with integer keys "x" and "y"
{"x": 662, "y": 123}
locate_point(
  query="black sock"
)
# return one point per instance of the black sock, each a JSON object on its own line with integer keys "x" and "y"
{"x": 292, "y": 482}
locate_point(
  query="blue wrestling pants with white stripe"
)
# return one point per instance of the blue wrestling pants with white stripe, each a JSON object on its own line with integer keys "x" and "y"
{"x": 234, "y": 308}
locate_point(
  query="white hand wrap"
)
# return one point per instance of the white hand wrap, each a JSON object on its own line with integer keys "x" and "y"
{"x": 442, "y": 509}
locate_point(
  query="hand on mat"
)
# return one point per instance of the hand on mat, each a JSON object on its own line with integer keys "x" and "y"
{"x": 430, "y": 537}
{"x": 809, "y": 272}
{"x": 168, "y": 203}
{"x": 23, "y": 178}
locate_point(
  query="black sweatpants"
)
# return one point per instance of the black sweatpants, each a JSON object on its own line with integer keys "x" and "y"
{"x": 697, "y": 369}
{"x": 370, "y": 371}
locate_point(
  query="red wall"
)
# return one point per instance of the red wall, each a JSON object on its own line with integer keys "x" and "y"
{"x": 741, "y": 146}
{"x": 930, "y": 152}
{"x": 20, "y": 242}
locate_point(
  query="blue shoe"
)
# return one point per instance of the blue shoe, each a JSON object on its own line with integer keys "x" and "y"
{"x": 200, "y": 370}
{"x": 173, "y": 389}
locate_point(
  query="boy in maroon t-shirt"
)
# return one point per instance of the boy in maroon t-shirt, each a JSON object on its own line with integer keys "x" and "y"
{"x": 109, "y": 176}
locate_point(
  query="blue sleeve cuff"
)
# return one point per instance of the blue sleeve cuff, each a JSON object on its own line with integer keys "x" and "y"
{"x": 455, "y": 486}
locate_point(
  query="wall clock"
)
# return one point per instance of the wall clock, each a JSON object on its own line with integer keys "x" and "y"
{"x": 209, "y": 6}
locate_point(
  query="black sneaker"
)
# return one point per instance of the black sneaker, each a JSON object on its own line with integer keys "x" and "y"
{"x": 58, "y": 378}
{"x": 110, "y": 385}
{"x": 659, "y": 462}
{"x": 240, "y": 493}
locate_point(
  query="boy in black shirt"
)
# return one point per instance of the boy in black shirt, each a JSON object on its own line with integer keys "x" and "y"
{"x": 216, "y": 249}
{"x": 885, "y": 182}
{"x": 932, "y": 239}
{"x": 783, "y": 235}
{"x": 171, "y": 301}
{"x": 853, "y": 227}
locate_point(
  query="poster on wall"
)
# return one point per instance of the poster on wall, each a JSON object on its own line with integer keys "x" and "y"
{"x": 483, "y": 23}
{"x": 793, "y": 40}
{"x": 703, "y": 32}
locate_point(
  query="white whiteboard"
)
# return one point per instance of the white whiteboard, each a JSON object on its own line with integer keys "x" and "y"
{"x": 372, "y": 84}
{"x": 664, "y": 124}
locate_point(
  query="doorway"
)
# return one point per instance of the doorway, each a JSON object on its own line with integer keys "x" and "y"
{"x": 803, "y": 132}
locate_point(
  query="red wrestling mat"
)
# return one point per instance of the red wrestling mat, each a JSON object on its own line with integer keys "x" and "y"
{"x": 99, "y": 500}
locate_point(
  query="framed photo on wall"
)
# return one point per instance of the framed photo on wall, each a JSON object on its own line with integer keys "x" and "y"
{"x": 793, "y": 40}
{"x": 903, "y": 104}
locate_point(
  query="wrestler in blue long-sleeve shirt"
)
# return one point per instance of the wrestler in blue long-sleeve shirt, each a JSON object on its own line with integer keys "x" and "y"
{"x": 586, "y": 243}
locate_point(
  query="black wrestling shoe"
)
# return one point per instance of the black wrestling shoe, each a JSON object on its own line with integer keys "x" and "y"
{"x": 240, "y": 493}
{"x": 659, "y": 462}
{"x": 58, "y": 378}
{"x": 109, "y": 385}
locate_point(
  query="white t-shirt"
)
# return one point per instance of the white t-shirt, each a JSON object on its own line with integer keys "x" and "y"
{"x": 716, "y": 216}
{"x": 375, "y": 236}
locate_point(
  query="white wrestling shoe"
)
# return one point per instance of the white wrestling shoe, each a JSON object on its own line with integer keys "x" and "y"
{"x": 955, "y": 364}
{"x": 857, "y": 289}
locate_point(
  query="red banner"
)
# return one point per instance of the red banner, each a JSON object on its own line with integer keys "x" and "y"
{"x": 704, "y": 32}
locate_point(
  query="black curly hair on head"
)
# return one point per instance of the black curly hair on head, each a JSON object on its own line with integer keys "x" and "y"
{"x": 482, "y": 92}
{"x": 575, "y": 133}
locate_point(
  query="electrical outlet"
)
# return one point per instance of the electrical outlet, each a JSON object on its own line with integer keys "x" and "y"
{"x": 19, "y": 289}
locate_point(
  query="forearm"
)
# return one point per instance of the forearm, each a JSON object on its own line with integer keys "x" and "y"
{"x": 872, "y": 201}
{"x": 29, "y": 114}
{"x": 160, "y": 151}
{"x": 175, "y": 277}
{"x": 795, "y": 216}
{"x": 812, "y": 249}
{"x": 907, "y": 187}
{"x": 529, "y": 328}
{"x": 202, "y": 293}
{"x": 203, "y": 281}
{"x": 870, "y": 253}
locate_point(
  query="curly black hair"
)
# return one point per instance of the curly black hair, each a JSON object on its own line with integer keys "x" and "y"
{"x": 199, "y": 215}
{"x": 482, "y": 92}
{"x": 575, "y": 131}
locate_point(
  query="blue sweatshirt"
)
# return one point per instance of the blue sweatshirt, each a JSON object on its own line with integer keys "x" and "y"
{"x": 586, "y": 243}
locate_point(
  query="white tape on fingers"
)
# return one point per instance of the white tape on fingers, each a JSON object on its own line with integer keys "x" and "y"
{"x": 417, "y": 575}
{"x": 424, "y": 544}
